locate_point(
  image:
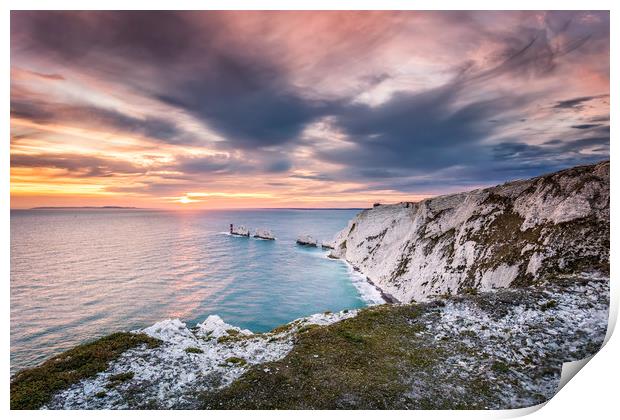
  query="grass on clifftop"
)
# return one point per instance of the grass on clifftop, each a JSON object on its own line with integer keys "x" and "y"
{"x": 32, "y": 388}
{"x": 457, "y": 352}
{"x": 355, "y": 363}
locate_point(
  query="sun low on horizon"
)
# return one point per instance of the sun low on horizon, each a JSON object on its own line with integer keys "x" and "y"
{"x": 215, "y": 109}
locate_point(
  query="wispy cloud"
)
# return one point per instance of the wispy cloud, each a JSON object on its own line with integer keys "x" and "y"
{"x": 317, "y": 106}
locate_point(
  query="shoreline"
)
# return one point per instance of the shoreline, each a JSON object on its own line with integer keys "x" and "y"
{"x": 154, "y": 356}
{"x": 387, "y": 298}
{"x": 355, "y": 276}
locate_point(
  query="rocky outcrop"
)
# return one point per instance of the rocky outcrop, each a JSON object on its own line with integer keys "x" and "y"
{"x": 264, "y": 234}
{"x": 494, "y": 350}
{"x": 240, "y": 231}
{"x": 306, "y": 240}
{"x": 515, "y": 234}
{"x": 185, "y": 363}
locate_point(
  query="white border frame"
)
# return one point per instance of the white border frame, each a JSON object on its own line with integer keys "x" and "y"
{"x": 593, "y": 393}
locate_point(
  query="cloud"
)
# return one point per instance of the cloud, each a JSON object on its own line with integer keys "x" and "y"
{"x": 577, "y": 103}
{"x": 202, "y": 164}
{"x": 282, "y": 165}
{"x": 418, "y": 132}
{"x": 18, "y": 73}
{"x": 242, "y": 94}
{"x": 40, "y": 111}
{"x": 585, "y": 126}
{"x": 519, "y": 154}
{"x": 154, "y": 36}
{"x": 385, "y": 100}
{"x": 77, "y": 165}
{"x": 260, "y": 117}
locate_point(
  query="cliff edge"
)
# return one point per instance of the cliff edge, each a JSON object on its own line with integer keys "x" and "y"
{"x": 514, "y": 234}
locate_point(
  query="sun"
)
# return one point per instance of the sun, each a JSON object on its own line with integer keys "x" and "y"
{"x": 185, "y": 200}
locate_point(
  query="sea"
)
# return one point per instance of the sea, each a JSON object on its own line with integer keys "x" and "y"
{"x": 79, "y": 274}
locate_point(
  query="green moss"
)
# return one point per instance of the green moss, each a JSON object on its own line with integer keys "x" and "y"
{"x": 119, "y": 378}
{"x": 468, "y": 291}
{"x": 468, "y": 333}
{"x": 306, "y": 328}
{"x": 236, "y": 360}
{"x": 195, "y": 350}
{"x": 351, "y": 336}
{"x": 282, "y": 328}
{"x": 32, "y": 388}
{"x": 500, "y": 367}
{"x": 381, "y": 359}
{"x": 101, "y": 394}
{"x": 353, "y": 363}
{"x": 549, "y": 305}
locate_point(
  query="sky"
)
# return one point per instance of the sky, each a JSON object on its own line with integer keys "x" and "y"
{"x": 192, "y": 110}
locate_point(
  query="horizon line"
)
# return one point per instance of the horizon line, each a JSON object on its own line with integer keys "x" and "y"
{"x": 180, "y": 209}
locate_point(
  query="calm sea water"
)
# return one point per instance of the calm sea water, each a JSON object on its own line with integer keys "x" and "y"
{"x": 80, "y": 274}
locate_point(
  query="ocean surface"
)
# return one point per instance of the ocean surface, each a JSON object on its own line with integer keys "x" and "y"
{"x": 77, "y": 274}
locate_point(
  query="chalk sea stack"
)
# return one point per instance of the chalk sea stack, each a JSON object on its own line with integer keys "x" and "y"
{"x": 306, "y": 240}
{"x": 264, "y": 234}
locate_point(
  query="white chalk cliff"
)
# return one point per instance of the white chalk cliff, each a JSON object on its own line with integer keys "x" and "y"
{"x": 514, "y": 234}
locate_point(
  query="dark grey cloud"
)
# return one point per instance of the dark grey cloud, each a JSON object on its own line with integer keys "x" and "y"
{"x": 86, "y": 115}
{"x": 281, "y": 165}
{"x": 551, "y": 155}
{"x": 418, "y": 132}
{"x": 413, "y": 142}
{"x": 241, "y": 93}
{"x": 148, "y": 37}
{"x": 442, "y": 130}
{"x": 601, "y": 118}
{"x": 585, "y": 126}
{"x": 511, "y": 160}
{"x": 261, "y": 117}
{"x": 576, "y": 103}
{"x": 244, "y": 93}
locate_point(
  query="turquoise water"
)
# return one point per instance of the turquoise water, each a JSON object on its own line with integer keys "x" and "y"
{"x": 80, "y": 274}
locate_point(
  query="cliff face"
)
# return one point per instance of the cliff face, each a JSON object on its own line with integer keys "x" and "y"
{"x": 515, "y": 234}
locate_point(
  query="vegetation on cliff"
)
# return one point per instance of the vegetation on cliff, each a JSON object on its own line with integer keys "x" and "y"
{"x": 480, "y": 351}
{"x": 32, "y": 388}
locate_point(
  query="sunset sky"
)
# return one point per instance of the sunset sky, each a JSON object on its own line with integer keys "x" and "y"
{"x": 299, "y": 109}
